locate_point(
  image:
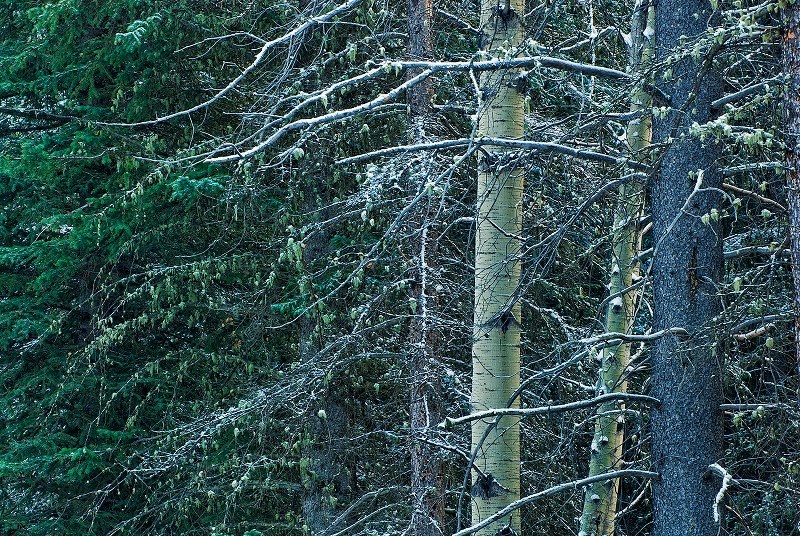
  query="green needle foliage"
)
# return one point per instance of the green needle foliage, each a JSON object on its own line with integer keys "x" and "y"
{"x": 202, "y": 347}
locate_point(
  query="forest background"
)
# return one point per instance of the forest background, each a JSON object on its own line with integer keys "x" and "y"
{"x": 263, "y": 263}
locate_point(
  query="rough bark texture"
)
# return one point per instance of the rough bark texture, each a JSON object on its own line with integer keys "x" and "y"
{"x": 791, "y": 68}
{"x": 327, "y": 475}
{"x": 420, "y": 47}
{"x": 687, "y": 266}
{"x": 496, "y": 332}
{"x": 427, "y": 480}
{"x": 600, "y": 503}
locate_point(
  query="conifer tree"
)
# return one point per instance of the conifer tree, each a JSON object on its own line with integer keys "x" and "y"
{"x": 687, "y": 268}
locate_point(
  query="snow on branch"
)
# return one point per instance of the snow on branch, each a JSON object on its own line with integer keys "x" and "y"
{"x": 430, "y": 67}
{"x": 545, "y": 147}
{"x": 516, "y": 63}
{"x": 543, "y": 410}
{"x": 338, "y": 115}
{"x": 313, "y": 21}
{"x": 574, "y": 485}
{"x": 726, "y": 480}
{"x": 625, "y": 337}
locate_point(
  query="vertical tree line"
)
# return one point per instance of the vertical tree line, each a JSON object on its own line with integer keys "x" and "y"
{"x": 687, "y": 271}
{"x": 424, "y": 341}
{"x": 496, "y": 324}
{"x": 606, "y": 449}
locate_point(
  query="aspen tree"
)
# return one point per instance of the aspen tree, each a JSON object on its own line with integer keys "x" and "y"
{"x": 600, "y": 504}
{"x": 496, "y": 328}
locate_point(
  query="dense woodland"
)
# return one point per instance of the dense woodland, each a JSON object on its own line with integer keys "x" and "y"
{"x": 388, "y": 267}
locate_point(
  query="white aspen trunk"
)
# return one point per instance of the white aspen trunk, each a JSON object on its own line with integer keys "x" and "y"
{"x": 496, "y": 331}
{"x": 600, "y": 504}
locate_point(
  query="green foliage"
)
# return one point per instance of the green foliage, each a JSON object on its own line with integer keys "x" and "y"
{"x": 170, "y": 329}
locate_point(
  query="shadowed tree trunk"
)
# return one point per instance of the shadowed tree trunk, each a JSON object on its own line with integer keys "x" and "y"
{"x": 791, "y": 68}
{"x": 326, "y": 476}
{"x": 687, "y": 267}
{"x": 427, "y": 481}
{"x": 496, "y": 328}
{"x": 420, "y": 47}
{"x": 600, "y": 503}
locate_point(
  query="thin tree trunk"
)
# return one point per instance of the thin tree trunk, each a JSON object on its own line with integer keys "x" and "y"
{"x": 791, "y": 68}
{"x": 496, "y": 329}
{"x": 427, "y": 480}
{"x": 420, "y": 47}
{"x": 326, "y": 477}
{"x": 687, "y": 268}
{"x": 600, "y": 503}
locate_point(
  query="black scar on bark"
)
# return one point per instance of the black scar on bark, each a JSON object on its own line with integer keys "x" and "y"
{"x": 504, "y": 321}
{"x": 506, "y": 530}
{"x": 487, "y": 487}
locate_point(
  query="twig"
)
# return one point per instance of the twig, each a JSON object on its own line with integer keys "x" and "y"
{"x": 750, "y": 193}
{"x": 544, "y": 410}
{"x": 574, "y": 485}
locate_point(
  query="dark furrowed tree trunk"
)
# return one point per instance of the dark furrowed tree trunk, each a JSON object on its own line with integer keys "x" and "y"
{"x": 791, "y": 68}
{"x": 327, "y": 476}
{"x": 687, "y": 374}
{"x": 420, "y": 47}
{"x": 427, "y": 482}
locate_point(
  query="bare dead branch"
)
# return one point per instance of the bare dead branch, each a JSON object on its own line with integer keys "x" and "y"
{"x": 545, "y": 410}
{"x": 750, "y": 193}
{"x": 742, "y": 93}
{"x": 299, "y": 29}
{"x": 750, "y": 335}
{"x": 545, "y": 147}
{"x": 574, "y": 485}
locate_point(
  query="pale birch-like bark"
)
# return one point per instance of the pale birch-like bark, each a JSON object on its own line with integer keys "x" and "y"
{"x": 496, "y": 331}
{"x": 600, "y": 504}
